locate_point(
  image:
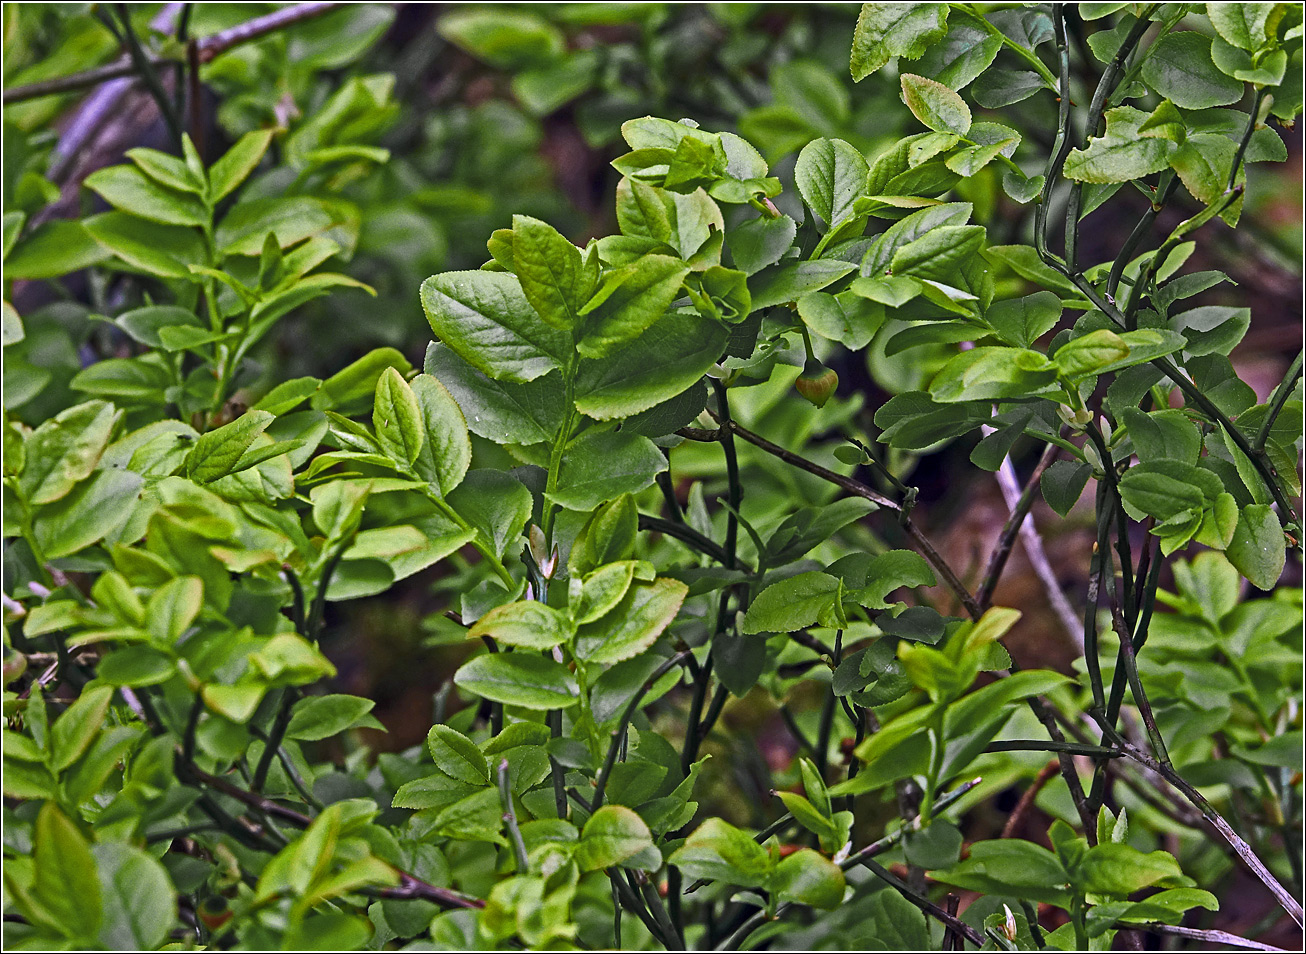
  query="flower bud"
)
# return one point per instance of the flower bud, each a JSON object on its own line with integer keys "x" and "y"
{"x": 1074, "y": 419}
{"x": 817, "y": 382}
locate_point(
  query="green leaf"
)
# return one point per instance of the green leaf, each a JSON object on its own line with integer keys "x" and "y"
{"x": 528, "y": 623}
{"x": 1089, "y": 353}
{"x": 237, "y": 163}
{"x": 1022, "y": 321}
{"x": 935, "y": 105}
{"x": 164, "y": 250}
{"x": 1063, "y": 483}
{"x": 457, "y": 756}
{"x": 552, "y": 276}
{"x": 173, "y": 608}
{"x": 966, "y": 52}
{"x": 993, "y": 374}
{"x": 885, "y": 30}
{"x": 130, "y": 190}
{"x": 789, "y": 281}
{"x": 64, "y": 450}
{"x": 321, "y": 717}
{"x": 80, "y": 723}
{"x": 663, "y": 361}
{"x": 1257, "y": 548}
{"x": 633, "y": 625}
{"x": 608, "y": 536}
{"x": 792, "y": 604}
{"x": 92, "y": 511}
{"x": 601, "y": 590}
{"x": 446, "y": 453}
{"x": 1009, "y": 866}
{"x": 760, "y": 242}
{"x": 913, "y": 420}
{"x": 1166, "y": 122}
{"x": 358, "y": 380}
{"x": 630, "y": 299}
{"x": 1244, "y": 25}
{"x": 485, "y": 318}
{"x": 831, "y": 175}
{"x": 496, "y": 504}
{"x": 501, "y": 411}
{"x": 67, "y": 887}
{"x": 508, "y": 39}
{"x": 519, "y": 679}
{"x": 600, "y": 465}
{"x": 808, "y": 878}
{"x": 168, "y": 171}
{"x": 397, "y": 418}
{"x": 613, "y": 834}
{"x": 136, "y": 893}
{"x": 718, "y": 851}
{"x": 1120, "y": 870}
{"x": 847, "y": 317}
{"x": 1122, "y": 153}
{"x": 1179, "y": 68}
{"x": 217, "y": 452}
{"x": 936, "y": 846}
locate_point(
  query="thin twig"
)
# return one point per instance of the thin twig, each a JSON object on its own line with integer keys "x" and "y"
{"x": 1016, "y": 520}
{"x": 925, "y": 904}
{"x": 1038, "y": 559}
{"x": 619, "y": 733}
{"x": 210, "y": 47}
{"x": 1212, "y": 937}
{"x": 686, "y": 534}
{"x": 1027, "y": 799}
{"x": 510, "y": 819}
{"x": 1216, "y": 820}
{"x": 859, "y": 489}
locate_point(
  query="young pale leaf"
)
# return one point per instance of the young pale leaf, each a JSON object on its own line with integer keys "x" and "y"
{"x": 398, "y": 419}
{"x": 446, "y": 453}
{"x": 935, "y": 105}
{"x": 519, "y": 679}
{"x": 1090, "y": 353}
{"x": 94, "y": 509}
{"x": 553, "y": 278}
{"x": 130, "y": 190}
{"x": 791, "y": 604}
{"x": 357, "y": 381}
{"x": 718, "y": 851}
{"x": 216, "y": 453}
{"x": 457, "y": 756}
{"x": 1257, "y": 548}
{"x": 528, "y": 624}
{"x": 629, "y": 300}
{"x": 65, "y": 450}
{"x": 831, "y": 176}
{"x": 808, "y": 878}
{"x": 67, "y": 887}
{"x": 237, "y": 163}
{"x": 614, "y": 834}
{"x": 320, "y": 717}
{"x": 633, "y": 625}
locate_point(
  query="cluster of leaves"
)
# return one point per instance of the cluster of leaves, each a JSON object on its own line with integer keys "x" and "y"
{"x": 170, "y": 554}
